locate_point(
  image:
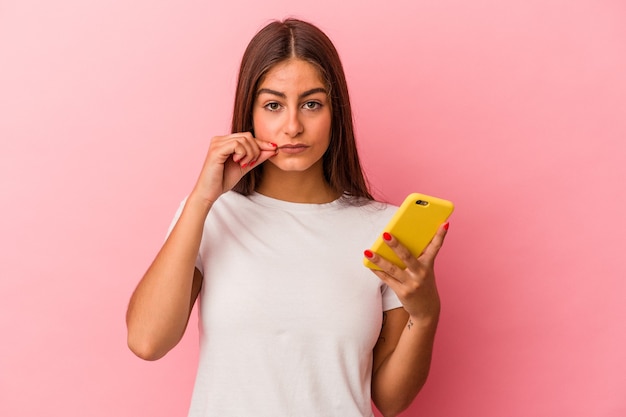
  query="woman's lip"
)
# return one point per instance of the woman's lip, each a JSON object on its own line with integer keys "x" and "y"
{"x": 292, "y": 148}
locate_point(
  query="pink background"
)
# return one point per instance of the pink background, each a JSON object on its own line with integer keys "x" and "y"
{"x": 515, "y": 110}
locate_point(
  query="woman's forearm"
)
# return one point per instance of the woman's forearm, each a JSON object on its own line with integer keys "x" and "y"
{"x": 398, "y": 380}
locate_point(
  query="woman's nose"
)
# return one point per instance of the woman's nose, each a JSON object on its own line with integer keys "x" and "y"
{"x": 293, "y": 125}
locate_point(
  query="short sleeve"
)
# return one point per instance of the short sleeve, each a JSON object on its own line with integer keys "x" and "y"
{"x": 169, "y": 230}
{"x": 389, "y": 298}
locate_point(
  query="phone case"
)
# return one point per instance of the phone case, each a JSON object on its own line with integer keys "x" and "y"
{"x": 414, "y": 225}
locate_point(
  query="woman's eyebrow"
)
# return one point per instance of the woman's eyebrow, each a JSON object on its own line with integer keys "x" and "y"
{"x": 283, "y": 95}
{"x": 313, "y": 91}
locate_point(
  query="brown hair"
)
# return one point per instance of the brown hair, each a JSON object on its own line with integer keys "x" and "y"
{"x": 293, "y": 38}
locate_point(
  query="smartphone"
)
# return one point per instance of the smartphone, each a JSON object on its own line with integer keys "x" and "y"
{"x": 414, "y": 225}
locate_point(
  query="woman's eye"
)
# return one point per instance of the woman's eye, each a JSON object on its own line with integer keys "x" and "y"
{"x": 272, "y": 106}
{"x": 312, "y": 105}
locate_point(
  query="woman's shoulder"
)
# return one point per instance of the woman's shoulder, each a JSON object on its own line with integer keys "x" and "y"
{"x": 369, "y": 207}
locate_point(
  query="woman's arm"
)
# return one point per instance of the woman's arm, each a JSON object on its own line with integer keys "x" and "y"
{"x": 401, "y": 361}
{"x": 403, "y": 353}
{"x": 160, "y": 306}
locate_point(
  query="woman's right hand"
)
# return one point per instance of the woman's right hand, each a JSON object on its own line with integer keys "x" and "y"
{"x": 229, "y": 158}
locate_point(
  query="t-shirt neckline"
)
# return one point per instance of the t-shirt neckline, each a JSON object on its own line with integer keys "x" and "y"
{"x": 288, "y": 205}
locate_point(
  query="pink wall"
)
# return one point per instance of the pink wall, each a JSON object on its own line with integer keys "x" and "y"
{"x": 515, "y": 110}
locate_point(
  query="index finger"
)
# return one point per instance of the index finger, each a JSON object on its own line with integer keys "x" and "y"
{"x": 267, "y": 150}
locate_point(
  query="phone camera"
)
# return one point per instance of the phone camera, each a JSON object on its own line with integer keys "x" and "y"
{"x": 422, "y": 202}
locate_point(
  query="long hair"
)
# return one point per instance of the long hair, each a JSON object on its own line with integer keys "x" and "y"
{"x": 293, "y": 38}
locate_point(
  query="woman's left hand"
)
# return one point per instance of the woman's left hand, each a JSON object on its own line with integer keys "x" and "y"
{"x": 415, "y": 285}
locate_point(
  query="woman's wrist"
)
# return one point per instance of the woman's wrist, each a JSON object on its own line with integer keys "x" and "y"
{"x": 200, "y": 202}
{"x": 423, "y": 321}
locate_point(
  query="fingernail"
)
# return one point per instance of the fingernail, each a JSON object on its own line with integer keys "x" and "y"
{"x": 445, "y": 226}
{"x": 273, "y": 144}
{"x": 368, "y": 253}
{"x": 252, "y": 163}
{"x": 387, "y": 236}
{"x": 244, "y": 165}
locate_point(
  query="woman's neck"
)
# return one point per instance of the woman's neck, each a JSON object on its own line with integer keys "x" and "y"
{"x": 297, "y": 187}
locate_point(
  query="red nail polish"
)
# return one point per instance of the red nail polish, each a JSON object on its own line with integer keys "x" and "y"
{"x": 445, "y": 226}
{"x": 252, "y": 163}
{"x": 273, "y": 144}
{"x": 368, "y": 253}
{"x": 387, "y": 236}
{"x": 244, "y": 165}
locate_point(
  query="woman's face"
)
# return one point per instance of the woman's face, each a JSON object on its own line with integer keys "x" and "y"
{"x": 292, "y": 109}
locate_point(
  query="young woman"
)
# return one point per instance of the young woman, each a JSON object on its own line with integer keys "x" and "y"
{"x": 271, "y": 239}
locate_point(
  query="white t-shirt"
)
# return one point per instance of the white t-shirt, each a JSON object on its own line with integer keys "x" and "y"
{"x": 288, "y": 313}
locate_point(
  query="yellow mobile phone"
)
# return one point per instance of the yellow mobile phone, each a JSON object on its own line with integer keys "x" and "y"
{"x": 414, "y": 225}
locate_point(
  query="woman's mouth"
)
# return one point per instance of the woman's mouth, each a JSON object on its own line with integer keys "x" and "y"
{"x": 292, "y": 148}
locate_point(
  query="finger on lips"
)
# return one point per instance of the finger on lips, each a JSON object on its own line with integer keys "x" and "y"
{"x": 246, "y": 149}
